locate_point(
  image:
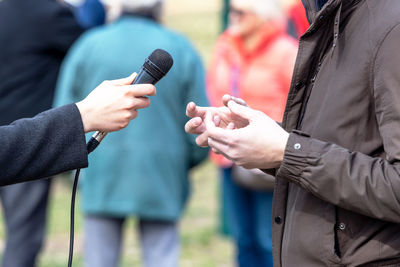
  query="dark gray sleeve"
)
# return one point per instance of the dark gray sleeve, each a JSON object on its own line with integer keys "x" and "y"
{"x": 52, "y": 142}
{"x": 349, "y": 179}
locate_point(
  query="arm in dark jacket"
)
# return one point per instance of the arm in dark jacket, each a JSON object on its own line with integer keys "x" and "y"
{"x": 352, "y": 180}
{"x": 50, "y": 143}
{"x": 62, "y": 28}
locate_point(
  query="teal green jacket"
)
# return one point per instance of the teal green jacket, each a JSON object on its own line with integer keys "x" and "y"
{"x": 143, "y": 169}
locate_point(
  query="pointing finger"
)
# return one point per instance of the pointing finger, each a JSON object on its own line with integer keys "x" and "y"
{"x": 192, "y": 110}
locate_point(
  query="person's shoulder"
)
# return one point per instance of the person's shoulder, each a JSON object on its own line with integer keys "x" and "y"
{"x": 92, "y": 37}
{"x": 383, "y": 13}
{"x": 53, "y": 12}
{"x": 381, "y": 17}
{"x": 175, "y": 37}
{"x": 179, "y": 44}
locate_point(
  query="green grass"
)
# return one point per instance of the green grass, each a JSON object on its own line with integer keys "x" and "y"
{"x": 201, "y": 245}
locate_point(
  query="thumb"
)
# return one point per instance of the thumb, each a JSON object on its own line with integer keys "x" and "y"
{"x": 241, "y": 111}
{"x": 124, "y": 81}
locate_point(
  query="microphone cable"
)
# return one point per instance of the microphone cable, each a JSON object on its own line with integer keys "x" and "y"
{"x": 72, "y": 218}
{"x": 91, "y": 145}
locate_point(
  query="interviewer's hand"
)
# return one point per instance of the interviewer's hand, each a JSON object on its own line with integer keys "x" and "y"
{"x": 260, "y": 144}
{"x": 223, "y": 117}
{"x": 111, "y": 105}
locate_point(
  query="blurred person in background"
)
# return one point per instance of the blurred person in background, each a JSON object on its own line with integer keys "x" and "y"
{"x": 151, "y": 158}
{"x": 297, "y": 19}
{"x": 34, "y": 38}
{"x": 254, "y": 60}
{"x": 89, "y": 13}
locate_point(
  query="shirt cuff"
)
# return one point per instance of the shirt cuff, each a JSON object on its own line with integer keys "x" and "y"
{"x": 294, "y": 161}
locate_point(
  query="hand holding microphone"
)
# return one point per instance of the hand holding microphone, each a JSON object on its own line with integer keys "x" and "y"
{"x": 127, "y": 100}
{"x": 113, "y": 104}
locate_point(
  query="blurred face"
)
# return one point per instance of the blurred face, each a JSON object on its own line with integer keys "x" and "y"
{"x": 242, "y": 20}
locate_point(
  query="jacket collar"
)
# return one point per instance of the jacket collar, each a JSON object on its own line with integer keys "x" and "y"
{"x": 334, "y": 10}
{"x": 313, "y": 11}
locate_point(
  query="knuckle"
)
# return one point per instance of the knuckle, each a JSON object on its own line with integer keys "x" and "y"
{"x": 234, "y": 140}
{"x": 134, "y": 114}
{"x": 146, "y": 102}
{"x": 124, "y": 124}
{"x": 130, "y": 104}
{"x": 235, "y": 156}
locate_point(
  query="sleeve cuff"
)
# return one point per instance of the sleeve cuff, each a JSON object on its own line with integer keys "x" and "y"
{"x": 73, "y": 137}
{"x": 295, "y": 158}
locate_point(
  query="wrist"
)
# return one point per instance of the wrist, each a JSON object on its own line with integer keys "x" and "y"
{"x": 283, "y": 145}
{"x": 280, "y": 152}
{"x": 85, "y": 111}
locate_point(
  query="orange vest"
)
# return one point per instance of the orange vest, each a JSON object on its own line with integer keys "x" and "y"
{"x": 261, "y": 77}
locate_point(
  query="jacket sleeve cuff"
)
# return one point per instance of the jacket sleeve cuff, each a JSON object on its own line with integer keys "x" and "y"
{"x": 294, "y": 161}
{"x": 73, "y": 138}
{"x": 80, "y": 138}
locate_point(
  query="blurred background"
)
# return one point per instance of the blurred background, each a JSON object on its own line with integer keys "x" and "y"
{"x": 203, "y": 228}
{"x": 201, "y": 244}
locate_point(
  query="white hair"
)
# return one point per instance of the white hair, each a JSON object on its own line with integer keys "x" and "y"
{"x": 116, "y": 7}
{"x": 138, "y": 4}
{"x": 266, "y": 9}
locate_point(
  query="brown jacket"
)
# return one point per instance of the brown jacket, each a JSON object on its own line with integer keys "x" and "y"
{"x": 337, "y": 197}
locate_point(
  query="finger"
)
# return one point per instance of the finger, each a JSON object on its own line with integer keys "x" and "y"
{"x": 192, "y": 110}
{"x": 225, "y": 99}
{"x": 124, "y": 81}
{"x": 194, "y": 126}
{"x": 215, "y": 151}
{"x": 134, "y": 114}
{"x": 217, "y": 120}
{"x": 230, "y": 126}
{"x": 217, "y": 133}
{"x": 239, "y": 101}
{"x": 218, "y": 147}
{"x": 138, "y": 90}
{"x": 139, "y": 103}
{"x": 241, "y": 111}
{"x": 202, "y": 140}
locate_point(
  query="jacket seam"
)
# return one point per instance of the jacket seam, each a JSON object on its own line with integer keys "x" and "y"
{"x": 374, "y": 67}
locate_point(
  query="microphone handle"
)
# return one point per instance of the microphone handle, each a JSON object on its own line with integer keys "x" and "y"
{"x": 95, "y": 140}
{"x": 142, "y": 77}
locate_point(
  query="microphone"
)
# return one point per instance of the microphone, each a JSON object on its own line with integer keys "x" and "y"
{"x": 154, "y": 68}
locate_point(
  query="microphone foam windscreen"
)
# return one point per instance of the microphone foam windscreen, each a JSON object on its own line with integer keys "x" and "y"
{"x": 162, "y": 59}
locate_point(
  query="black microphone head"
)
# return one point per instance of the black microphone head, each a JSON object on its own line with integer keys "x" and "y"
{"x": 158, "y": 63}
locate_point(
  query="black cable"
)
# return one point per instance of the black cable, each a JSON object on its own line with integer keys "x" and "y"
{"x": 72, "y": 222}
